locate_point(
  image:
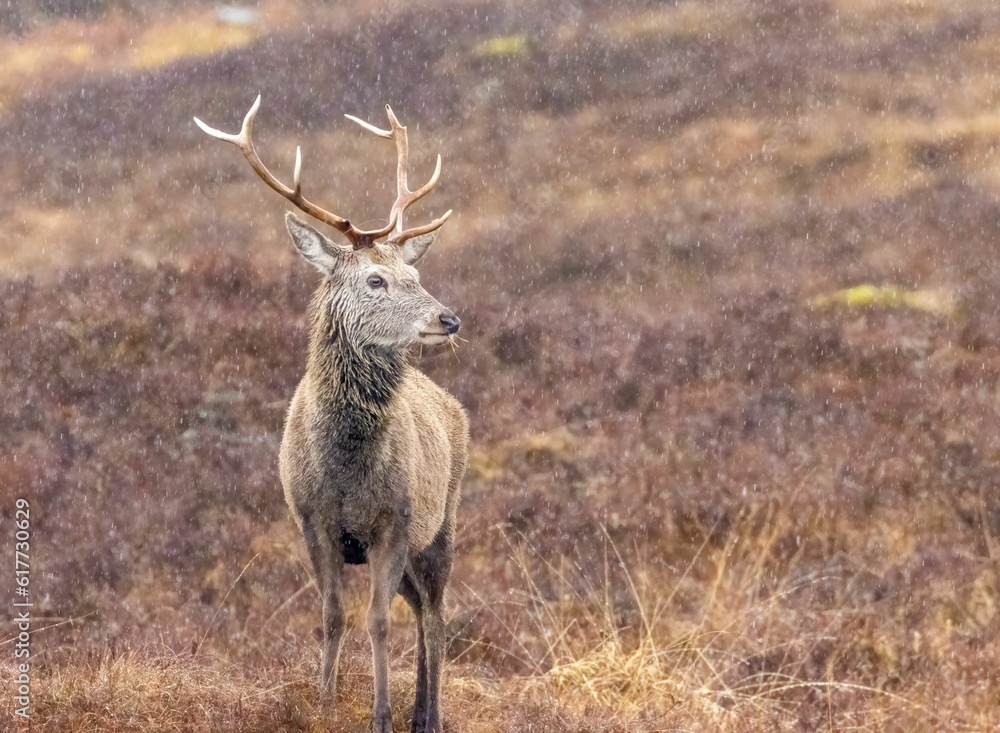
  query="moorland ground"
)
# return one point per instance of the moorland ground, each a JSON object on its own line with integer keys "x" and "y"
{"x": 728, "y": 274}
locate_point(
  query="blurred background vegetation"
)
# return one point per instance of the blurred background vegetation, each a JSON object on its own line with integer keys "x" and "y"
{"x": 729, "y": 275}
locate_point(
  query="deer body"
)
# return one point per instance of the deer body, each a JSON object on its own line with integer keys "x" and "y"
{"x": 368, "y": 436}
{"x": 373, "y": 452}
{"x": 407, "y": 457}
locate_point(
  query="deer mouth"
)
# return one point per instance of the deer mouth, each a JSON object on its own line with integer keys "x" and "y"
{"x": 432, "y": 338}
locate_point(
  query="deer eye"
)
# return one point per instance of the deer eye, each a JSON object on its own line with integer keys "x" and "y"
{"x": 376, "y": 281}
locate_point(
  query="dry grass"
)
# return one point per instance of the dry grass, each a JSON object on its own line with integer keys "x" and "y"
{"x": 736, "y": 653}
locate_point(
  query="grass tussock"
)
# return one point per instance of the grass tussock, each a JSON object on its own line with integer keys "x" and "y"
{"x": 703, "y": 669}
{"x": 140, "y": 690}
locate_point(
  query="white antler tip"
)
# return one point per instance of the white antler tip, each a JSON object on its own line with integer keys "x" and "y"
{"x": 371, "y": 128}
{"x": 248, "y": 120}
{"x": 213, "y": 132}
{"x": 298, "y": 170}
{"x": 392, "y": 118}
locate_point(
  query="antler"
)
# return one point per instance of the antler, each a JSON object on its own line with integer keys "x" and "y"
{"x": 359, "y": 238}
{"x": 404, "y": 196}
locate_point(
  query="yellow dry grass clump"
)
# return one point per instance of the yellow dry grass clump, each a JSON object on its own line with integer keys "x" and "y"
{"x": 189, "y": 37}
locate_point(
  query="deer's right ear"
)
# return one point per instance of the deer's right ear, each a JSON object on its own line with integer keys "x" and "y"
{"x": 413, "y": 249}
{"x": 322, "y": 253}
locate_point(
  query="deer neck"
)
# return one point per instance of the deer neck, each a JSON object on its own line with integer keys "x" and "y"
{"x": 354, "y": 384}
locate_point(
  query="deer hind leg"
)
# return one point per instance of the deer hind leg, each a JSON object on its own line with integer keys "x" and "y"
{"x": 328, "y": 565}
{"x": 408, "y": 589}
{"x": 387, "y": 559}
{"x": 429, "y": 573}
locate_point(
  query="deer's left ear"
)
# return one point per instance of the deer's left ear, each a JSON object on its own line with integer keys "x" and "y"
{"x": 322, "y": 253}
{"x": 413, "y": 249}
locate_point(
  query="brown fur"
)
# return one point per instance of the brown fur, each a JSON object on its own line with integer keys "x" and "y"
{"x": 374, "y": 453}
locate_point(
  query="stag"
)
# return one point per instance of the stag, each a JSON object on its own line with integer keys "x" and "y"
{"x": 373, "y": 452}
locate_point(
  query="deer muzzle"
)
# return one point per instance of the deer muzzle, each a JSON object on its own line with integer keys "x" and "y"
{"x": 449, "y": 321}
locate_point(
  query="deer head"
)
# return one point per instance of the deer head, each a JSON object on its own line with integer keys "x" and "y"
{"x": 373, "y": 292}
{"x": 370, "y": 288}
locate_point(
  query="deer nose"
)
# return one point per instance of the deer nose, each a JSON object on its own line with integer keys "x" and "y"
{"x": 450, "y": 321}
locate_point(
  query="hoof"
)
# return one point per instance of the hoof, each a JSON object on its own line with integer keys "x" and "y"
{"x": 423, "y": 725}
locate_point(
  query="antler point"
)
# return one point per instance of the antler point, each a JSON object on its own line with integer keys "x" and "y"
{"x": 296, "y": 179}
{"x": 394, "y": 123}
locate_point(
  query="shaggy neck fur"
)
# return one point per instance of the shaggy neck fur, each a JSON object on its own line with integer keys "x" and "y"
{"x": 356, "y": 382}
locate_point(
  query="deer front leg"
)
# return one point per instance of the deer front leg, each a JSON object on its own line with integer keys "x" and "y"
{"x": 430, "y": 575}
{"x": 434, "y": 642}
{"x": 328, "y": 565}
{"x": 409, "y": 590}
{"x": 387, "y": 560}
